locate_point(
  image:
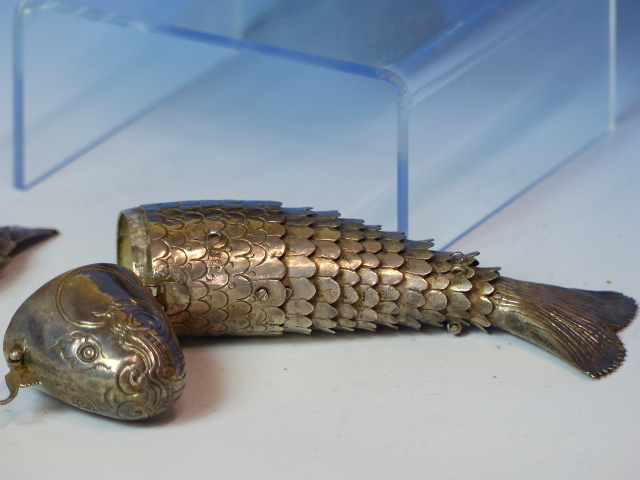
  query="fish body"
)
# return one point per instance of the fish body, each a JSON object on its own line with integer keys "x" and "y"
{"x": 256, "y": 268}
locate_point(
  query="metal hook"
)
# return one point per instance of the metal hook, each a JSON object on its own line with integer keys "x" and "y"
{"x": 13, "y": 383}
{"x": 18, "y": 376}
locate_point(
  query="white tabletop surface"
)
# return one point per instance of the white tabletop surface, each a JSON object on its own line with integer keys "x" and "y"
{"x": 400, "y": 405}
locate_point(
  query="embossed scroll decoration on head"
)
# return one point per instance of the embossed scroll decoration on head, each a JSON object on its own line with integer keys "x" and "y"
{"x": 95, "y": 338}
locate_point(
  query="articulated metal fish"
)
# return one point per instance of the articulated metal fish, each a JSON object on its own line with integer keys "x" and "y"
{"x": 15, "y": 239}
{"x": 255, "y": 268}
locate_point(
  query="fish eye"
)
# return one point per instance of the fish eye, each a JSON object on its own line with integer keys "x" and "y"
{"x": 87, "y": 353}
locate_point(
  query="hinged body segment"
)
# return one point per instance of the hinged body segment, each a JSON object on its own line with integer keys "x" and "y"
{"x": 255, "y": 268}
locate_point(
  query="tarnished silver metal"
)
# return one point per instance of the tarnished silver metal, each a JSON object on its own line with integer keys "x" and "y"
{"x": 255, "y": 268}
{"x": 95, "y": 338}
{"x": 15, "y": 239}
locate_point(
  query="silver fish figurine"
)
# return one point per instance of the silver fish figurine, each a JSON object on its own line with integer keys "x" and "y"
{"x": 256, "y": 268}
{"x": 15, "y": 239}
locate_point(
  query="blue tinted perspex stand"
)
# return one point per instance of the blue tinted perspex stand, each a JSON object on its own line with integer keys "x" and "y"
{"x": 486, "y": 97}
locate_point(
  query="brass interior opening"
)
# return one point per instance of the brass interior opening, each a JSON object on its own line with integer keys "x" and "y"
{"x": 125, "y": 251}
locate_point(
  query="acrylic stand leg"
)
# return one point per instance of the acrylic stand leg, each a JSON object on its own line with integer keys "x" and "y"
{"x": 403, "y": 167}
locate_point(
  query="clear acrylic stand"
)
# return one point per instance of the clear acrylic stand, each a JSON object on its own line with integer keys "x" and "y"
{"x": 488, "y": 96}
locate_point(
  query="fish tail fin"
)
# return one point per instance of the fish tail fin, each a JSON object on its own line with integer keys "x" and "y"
{"x": 576, "y": 325}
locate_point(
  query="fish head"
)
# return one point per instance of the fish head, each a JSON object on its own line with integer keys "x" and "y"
{"x": 96, "y": 338}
